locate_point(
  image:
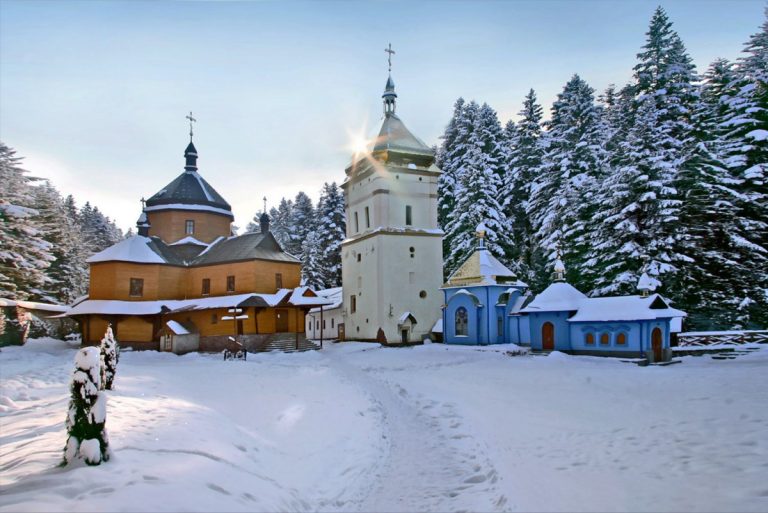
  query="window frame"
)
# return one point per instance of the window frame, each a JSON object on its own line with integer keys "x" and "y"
{"x": 139, "y": 282}
{"x": 408, "y": 215}
{"x": 623, "y": 335}
{"x": 461, "y": 322}
{"x": 367, "y": 217}
{"x": 589, "y": 339}
{"x": 278, "y": 281}
{"x": 352, "y": 303}
{"x": 231, "y": 283}
{"x": 605, "y": 335}
{"x": 187, "y": 224}
{"x": 206, "y": 287}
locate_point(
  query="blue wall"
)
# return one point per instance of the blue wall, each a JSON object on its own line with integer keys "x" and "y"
{"x": 562, "y": 329}
{"x": 487, "y": 322}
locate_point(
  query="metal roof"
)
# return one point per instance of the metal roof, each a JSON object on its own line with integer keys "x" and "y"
{"x": 394, "y": 136}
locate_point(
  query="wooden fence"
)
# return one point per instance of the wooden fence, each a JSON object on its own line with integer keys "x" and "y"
{"x": 730, "y": 338}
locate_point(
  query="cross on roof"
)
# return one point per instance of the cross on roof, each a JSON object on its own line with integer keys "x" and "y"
{"x": 191, "y": 120}
{"x": 391, "y": 52}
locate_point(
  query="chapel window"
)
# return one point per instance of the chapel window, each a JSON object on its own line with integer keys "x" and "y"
{"x": 352, "y": 303}
{"x": 206, "y": 286}
{"x": 189, "y": 227}
{"x": 230, "y": 283}
{"x": 605, "y": 339}
{"x": 621, "y": 339}
{"x": 137, "y": 287}
{"x": 589, "y": 339}
{"x": 461, "y": 322}
{"x": 408, "y": 216}
{"x": 278, "y": 281}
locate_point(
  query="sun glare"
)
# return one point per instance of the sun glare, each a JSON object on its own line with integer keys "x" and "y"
{"x": 357, "y": 143}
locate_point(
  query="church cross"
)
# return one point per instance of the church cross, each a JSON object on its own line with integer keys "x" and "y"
{"x": 143, "y": 203}
{"x": 191, "y": 120}
{"x": 391, "y": 52}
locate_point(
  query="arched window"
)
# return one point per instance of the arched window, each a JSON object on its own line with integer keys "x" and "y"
{"x": 605, "y": 339}
{"x": 589, "y": 339}
{"x": 461, "y": 322}
{"x": 621, "y": 339}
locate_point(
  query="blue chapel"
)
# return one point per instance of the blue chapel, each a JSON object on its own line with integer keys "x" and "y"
{"x": 486, "y": 304}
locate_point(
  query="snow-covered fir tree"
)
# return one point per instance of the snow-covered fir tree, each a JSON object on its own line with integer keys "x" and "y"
{"x": 477, "y": 187}
{"x": 110, "y": 354}
{"x": 526, "y": 153}
{"x": 300, "y": 224}
{"x": 445, "y": 156}
{"x": 87, "y": 415}
{"x": 331, "y": 230}
{"x": 24, "y": 253}
{"x": 562, "y": 193}
{"x": 311, "y": 270}
{"x": 99, "y": 232}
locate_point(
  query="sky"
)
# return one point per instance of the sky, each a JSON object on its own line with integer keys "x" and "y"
{"x": 94, "y": 93}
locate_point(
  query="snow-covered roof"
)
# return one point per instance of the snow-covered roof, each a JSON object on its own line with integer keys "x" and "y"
{"x": 133, "y": 249}
{"x": 33, "y": 305}
{"x": 188, "y": 240}
{"x": 114, "y": 307}
{"x": 438, "y": 327}
{"x": 185, "y": 206}
{"x": 299, "y": 298}
{"x": 558, "y": 297}
{"x": 406, "y": 316}
{"x": 177, "y": 328}
{"x": 335, "y": 295}
{"x": 624, "y": 308}
{"x": 482, "y": 268}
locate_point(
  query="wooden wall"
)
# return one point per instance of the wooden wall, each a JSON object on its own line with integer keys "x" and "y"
{"x": 112, "y": 280}
{"x": 170, "y": 225}
{"x": 266, "y": 321}
{"x": 252, "y": 276}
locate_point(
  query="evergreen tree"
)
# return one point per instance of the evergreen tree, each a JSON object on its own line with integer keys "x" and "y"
{"x": 311, "y": 271}
{"x": 331, "y": 230}
{"x": 86, "y": 419}
{"x": 561, "y": 203}
{"x": 300, "y": 224}
{"x": 110, "y": 354}
{"x": 526, "y": 153}
{"x": 477, "y": 190}
{"x": 68, "y": 273}
{"x": 444, "y": 159}
{"x": 24, "y": 253}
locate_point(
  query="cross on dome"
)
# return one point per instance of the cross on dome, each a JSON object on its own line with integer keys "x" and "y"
{"x": 391, "y": 52}
{"x": 191, "y": 120}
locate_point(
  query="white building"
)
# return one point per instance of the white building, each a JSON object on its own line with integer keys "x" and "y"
{"x": 392, "y": 258}
{"x": 327, "y": 322}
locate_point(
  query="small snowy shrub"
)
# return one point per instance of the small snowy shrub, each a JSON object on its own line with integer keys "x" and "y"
{"x": 110, "y": 354}
{"x": 39, "y": 328}
{"x": 87, "y": 436}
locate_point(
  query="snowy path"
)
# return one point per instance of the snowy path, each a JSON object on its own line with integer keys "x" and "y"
{"x": 430, "y": 465}
{"x": 357, "y": 427}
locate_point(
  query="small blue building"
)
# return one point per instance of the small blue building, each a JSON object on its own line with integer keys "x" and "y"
{"x": 486, "y": 304}
{"x": 482, "y": 301}
{"x": 562, "y": 318}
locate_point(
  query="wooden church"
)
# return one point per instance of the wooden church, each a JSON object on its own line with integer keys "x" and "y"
{"x": 186, "y": 283}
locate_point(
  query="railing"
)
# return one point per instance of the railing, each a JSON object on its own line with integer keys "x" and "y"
{"x": 729, "y": 338}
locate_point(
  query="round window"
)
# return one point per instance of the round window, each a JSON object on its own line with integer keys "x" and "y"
{"x": 423, "y": 294}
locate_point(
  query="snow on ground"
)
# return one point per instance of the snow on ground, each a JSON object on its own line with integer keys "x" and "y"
{"x": 357, "y": 427}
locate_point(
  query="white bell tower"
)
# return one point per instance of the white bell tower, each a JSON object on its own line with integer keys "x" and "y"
{"x": 392, "y": 261}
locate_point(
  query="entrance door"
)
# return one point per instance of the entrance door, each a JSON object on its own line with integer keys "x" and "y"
{"x": 340, "y": 328}
{"x": 281, "y": 321}
{"x": 548, "y": 336}
{"x": 404, "y": 335}
{"x": 656, "y": 345}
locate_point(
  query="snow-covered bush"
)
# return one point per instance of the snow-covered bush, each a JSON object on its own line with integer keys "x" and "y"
{"x": 86, "y": 419}
{"x": 39, "y": 328}
{"x": 110, "y": 354}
